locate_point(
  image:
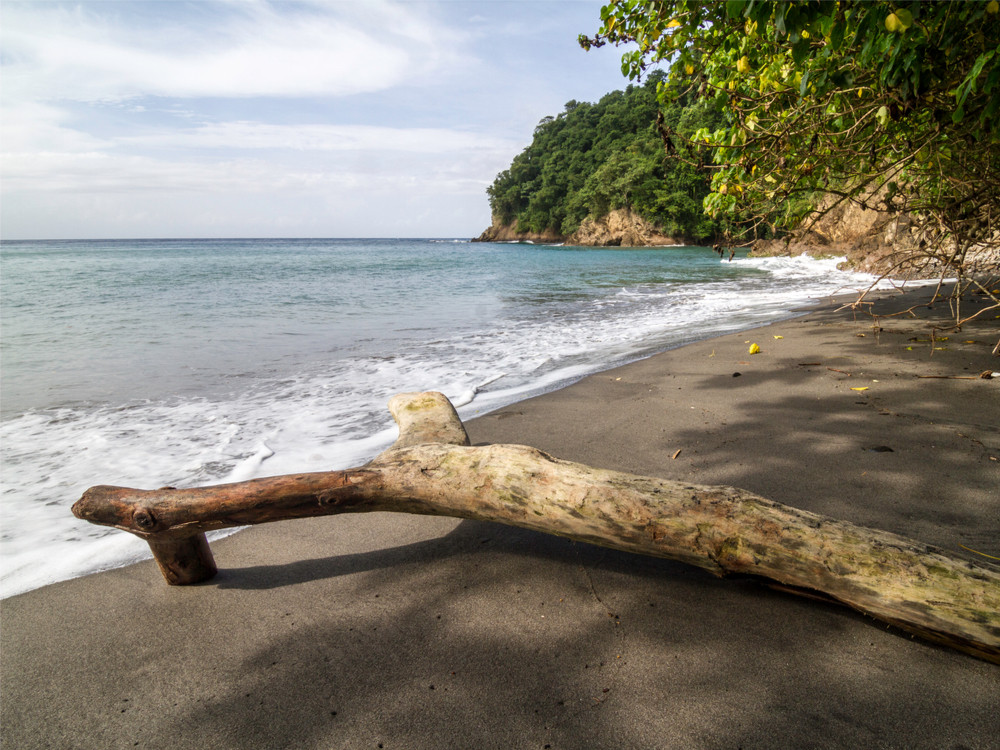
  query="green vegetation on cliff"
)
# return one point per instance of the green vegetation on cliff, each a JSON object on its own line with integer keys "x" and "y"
{"x": 888, "y": 104}
{"x": 593, "y": 158}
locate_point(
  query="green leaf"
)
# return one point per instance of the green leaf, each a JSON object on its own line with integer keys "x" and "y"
{"x": 734, "y": 8}
{"x": 978, "y": 67}
{"x": 837, "y": 35}
{"x": 760, "y": 12}
{"x": 800, "y": 51}
{"x": 991, "y": 108}
{"x": 779, "y": 18}
{"x": 826, "y": 24}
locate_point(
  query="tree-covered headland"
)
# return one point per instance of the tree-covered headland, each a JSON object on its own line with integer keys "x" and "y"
{"x": 892, "y": 106}
{"x": 593, "y": 158}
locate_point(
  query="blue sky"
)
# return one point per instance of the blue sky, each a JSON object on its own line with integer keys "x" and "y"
{"x": 256, "y": 118}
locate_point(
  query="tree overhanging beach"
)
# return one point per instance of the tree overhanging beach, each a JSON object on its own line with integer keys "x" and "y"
{"x": 881, "y": 104}
{"x": 864, "y": 129}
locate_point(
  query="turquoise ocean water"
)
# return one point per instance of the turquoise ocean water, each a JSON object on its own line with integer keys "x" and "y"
{"x": 148, "y": 363}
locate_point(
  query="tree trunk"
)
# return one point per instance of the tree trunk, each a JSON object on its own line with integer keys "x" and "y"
{"x": 432, "y": 470}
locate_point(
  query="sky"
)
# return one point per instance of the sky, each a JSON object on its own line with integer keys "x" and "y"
{"x": 271, "y": 118}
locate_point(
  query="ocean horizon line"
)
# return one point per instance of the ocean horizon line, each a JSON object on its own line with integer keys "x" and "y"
{"x": 218, "y": 239}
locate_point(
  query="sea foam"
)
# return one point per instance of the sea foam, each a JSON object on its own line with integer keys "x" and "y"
{"x": 317, "y": 413}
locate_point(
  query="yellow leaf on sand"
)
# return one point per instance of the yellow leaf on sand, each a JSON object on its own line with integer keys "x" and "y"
{"x": 779, "y": 337}
{"x": 754, "y": 349}
{"x": 862, "y": 388}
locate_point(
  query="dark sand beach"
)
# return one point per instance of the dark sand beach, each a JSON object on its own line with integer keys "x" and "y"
{"x": 394, "y": 631}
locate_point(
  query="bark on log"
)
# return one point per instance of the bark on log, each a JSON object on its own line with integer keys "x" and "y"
{"x": 432, "y": 470}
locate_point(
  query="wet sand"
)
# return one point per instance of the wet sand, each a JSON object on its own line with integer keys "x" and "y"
{"x": 395, "y": 631}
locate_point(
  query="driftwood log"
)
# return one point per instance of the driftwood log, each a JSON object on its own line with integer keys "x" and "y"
{"x": 432, "y": 470}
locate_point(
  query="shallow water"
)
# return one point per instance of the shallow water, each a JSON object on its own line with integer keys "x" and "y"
{"x": 181, "y": 362}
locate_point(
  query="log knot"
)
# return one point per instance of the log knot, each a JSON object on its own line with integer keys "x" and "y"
{"x": 345, "y": 493}
{"x": 144, "y": 519}
{"x": 732, "y": 555}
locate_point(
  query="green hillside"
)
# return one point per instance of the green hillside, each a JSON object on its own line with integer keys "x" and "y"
{"x": 592, "y": 158}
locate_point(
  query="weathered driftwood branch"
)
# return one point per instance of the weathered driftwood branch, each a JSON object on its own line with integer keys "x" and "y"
{"x": 432, "y": 470}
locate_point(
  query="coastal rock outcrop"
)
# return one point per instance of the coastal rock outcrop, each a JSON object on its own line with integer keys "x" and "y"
{"x": 621, "y": 227}
{"x": 500, "y": 232}
{"x": 876, "y": 242}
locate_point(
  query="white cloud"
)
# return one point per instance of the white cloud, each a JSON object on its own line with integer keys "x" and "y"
{"x": 256, "y": 49}
{"x": 274, "y": 117}
{"x": 43, "y": 153}
{"x": 102, "y": 172}
{"x": 108, "y": 195}
{"x": 33, "y": 127}
{"x": 373, "y": 160}
{"x": 312, "y": 137}
{"x": 63, "y": 65}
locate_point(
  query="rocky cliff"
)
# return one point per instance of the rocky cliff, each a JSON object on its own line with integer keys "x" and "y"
{"x": 500, "y": 232}
{"x": 619, "y": 228}
{"x": 879, "y": 243}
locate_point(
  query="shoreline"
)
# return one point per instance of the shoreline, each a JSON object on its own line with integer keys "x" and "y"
{"x": 417, "y": 632}
{"x": 539, "y": 391}
{"x": 259, "y": 408}
{"x": 739, "y": 397}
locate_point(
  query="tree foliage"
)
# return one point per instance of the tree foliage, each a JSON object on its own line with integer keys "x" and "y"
{"x": 889, "y": 105}
{"x": 593, "y": 158}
